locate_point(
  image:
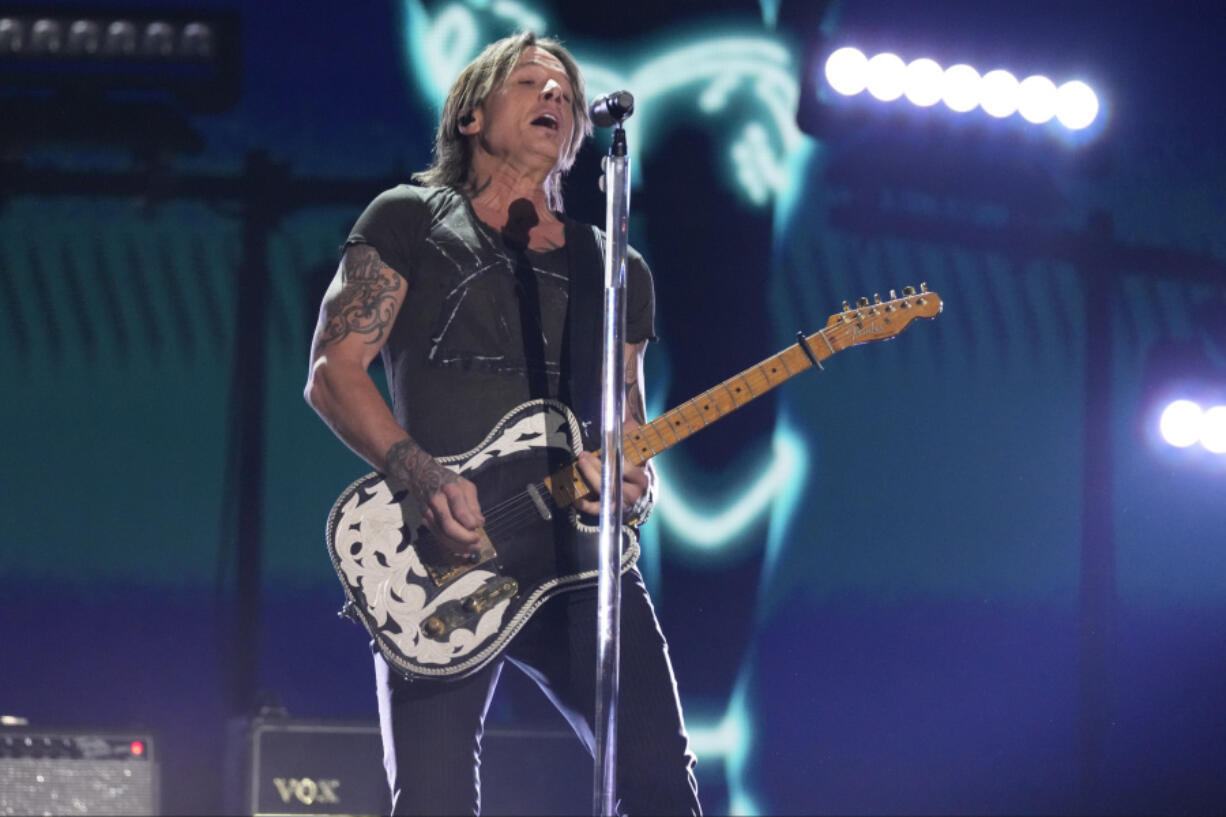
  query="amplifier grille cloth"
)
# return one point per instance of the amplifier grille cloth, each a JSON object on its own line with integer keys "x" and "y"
{"x": 75, "y": 786}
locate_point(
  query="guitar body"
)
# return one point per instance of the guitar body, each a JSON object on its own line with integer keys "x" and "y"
{"x": 434, "y": 616}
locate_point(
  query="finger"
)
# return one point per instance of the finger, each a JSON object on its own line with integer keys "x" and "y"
{"x": 461, "y": 537}
{"x": 588, "y": 506}
{"x": 449, "y": 543}
{"x": 446, "y": 527}
{"x": 634, "y": 484}
{"x": 589, "y": 469}
{"x": 461, "y": 499}
{"x": 635, "y": 475}
{"x": 474, "y": 504}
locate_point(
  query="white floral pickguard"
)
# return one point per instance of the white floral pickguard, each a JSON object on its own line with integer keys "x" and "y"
{"x": 396, "y": 593}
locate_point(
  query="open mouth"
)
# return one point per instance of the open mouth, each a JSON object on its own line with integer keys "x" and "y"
{"x": 546, "y": 120}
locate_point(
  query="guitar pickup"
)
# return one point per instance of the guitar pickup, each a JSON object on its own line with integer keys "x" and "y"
{"x": 460, "y": 613}
{"x": 539, "y": 502}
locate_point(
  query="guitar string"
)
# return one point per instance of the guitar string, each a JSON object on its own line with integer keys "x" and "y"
{"x": 519, "y": 503}
{"x": 513, "y": 500}
{"x": 522, "y": 499}
{"x": 514, "y": 516}
{"x": 510, "y": 512}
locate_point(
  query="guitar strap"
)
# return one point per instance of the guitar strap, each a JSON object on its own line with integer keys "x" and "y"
{"x": 581, "y": 353}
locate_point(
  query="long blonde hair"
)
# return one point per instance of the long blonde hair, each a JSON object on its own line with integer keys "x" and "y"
{"x": 453, "y": 150}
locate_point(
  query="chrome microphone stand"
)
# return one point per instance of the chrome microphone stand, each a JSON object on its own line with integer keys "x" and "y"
{"x": 611, "y": 111}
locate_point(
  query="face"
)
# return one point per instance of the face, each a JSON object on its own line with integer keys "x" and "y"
{"x": 528, "y": 119}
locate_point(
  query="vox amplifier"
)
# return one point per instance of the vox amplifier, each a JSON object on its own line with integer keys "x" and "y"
{"x": 77, "y": 771}
{"x": 304, "y": 767}
{"x": 290, "y": 766}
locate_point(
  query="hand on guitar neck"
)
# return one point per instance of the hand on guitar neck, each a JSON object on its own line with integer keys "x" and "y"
{"x": 635, "y": 481}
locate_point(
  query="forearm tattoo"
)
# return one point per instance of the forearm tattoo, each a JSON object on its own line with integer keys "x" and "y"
{"x": 366, "y": 301}
{"x": 637, "y": 409}
{"x": 416, "y": 470}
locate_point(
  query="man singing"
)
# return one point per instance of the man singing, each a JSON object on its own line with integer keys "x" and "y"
{"x": 467, "y": 285}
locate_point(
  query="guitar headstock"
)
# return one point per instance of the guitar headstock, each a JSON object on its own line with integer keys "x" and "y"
{"x": 879, "y": 320}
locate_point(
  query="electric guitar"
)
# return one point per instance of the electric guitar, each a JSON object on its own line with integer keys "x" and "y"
{"x": 433, "y": 615}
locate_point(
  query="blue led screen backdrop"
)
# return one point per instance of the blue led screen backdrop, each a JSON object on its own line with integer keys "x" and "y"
{"x": 951, "y": 573}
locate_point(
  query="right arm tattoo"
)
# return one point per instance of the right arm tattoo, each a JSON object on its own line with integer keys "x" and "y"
{"x": 365, "y": 303}
{"x": 416, "y": 470}
{"x": 634, "y": 391}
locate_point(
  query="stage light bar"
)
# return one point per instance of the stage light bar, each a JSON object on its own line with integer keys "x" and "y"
{"x": 923, "y": 82}
{"x": 115, "y": 39}
{"x": 93, "y": 49}
{"x": 1184, "y": 423}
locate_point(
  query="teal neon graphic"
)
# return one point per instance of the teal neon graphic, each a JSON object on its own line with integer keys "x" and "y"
{"x": 729, "y": 739}
{"x": 718, "y": 70}
{"x": 704, "y": 529}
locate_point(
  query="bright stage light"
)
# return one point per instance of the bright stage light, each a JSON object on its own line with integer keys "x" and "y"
{"x": 886, "y": 76}
{"x": 1181, "y": 423}
{"x": 847, "y": 71}
{"x": 924, "y": 82}
{"x": 1036, "y": 100}
{"x": 961, "y": 88}
{"x": 998, "y": 93}
{"x": 1213, "y": 430}
{"x": 1076, "y": 105}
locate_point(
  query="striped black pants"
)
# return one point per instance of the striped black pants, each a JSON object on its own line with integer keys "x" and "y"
{"x": 432, "y": 729}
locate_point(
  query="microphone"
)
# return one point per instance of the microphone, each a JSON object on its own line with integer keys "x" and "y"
{"x": 610, "y": 110}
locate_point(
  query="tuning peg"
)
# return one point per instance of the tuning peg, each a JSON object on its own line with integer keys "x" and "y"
{"x": 876, "y": 298}
{"x": 862, "y": 302}
{"x": 908, "y": 291}
{"x": 846, "y": 306}
{"x": 893, "y": 295}
{"x": 923, "y": 286}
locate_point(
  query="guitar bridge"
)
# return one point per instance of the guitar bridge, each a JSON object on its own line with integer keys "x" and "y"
{"x": 445, "y": 568}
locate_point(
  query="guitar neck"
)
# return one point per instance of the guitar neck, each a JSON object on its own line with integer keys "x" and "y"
{"x": 644, "y": 442}
{"x": 866, "y": 323}
{"x": 673, "y": 426}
